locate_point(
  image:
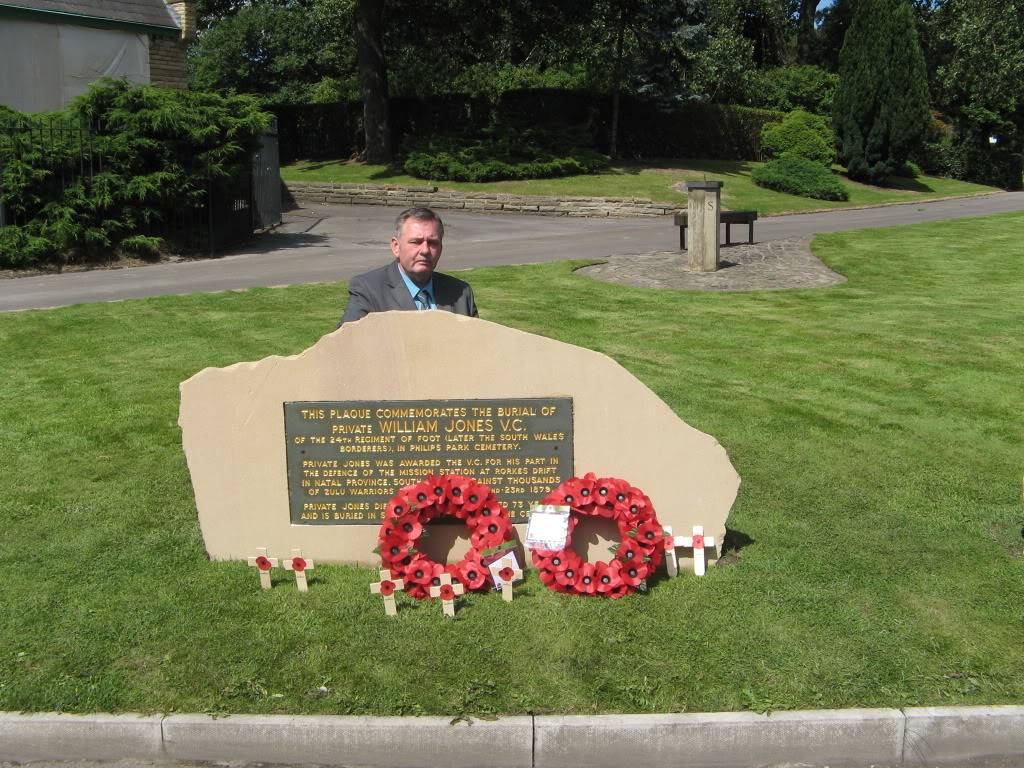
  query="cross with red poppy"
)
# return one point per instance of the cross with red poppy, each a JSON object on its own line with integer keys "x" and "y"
{"x": 508, "y": 571}
{"x": 697, "y": 542}
{"x": 386, "y": 588}
{"x": 264, "y": 563}
{"x": 300, "y": 565}
{"x": 447, "y": 592}
{"x": 671, "y": 542}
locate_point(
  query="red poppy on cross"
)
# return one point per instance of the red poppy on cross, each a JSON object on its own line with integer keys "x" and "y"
{"x": 264, "y": 563}
{"x": 508, "y": 573}
{"x": 300, "y": 565}
{"x": 447, "y": 592}
{"x": 698, "y": 542}
{"x": 671, "y": 561}
{"x": 386, "y": 588}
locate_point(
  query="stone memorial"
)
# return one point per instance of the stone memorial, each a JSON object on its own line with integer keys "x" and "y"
{"x": 304, "y": 452}
{"x": 703, "y": 207}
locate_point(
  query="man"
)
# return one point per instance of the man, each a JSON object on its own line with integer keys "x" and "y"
{"x": 410, "y": 282}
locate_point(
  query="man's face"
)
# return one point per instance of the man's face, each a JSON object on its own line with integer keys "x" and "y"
{"x": 418, "y": 249}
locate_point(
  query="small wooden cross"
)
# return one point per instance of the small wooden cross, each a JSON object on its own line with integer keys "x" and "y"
{"x": 508, "y": 573}
{"x": 264, "y": 563}
{"x": 386, "y": 588}
{"x": 697, "y": 542}
{"x": 447, "y": 592}
{"x": 671, "y": 561}
{"x": 300, "y": 565}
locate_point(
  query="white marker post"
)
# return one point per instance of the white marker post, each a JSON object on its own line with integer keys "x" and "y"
{"x": 386, "y": 588}
{"x": 447, "y": 592}
{"x": 671, "y": 561}
{"x": 697, "y": 542}
{"x": 300, "y": 565}
{"x": 508, "y": 573}
{"x": 264, "y": 563}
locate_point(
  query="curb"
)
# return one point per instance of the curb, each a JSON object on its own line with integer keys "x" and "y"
{"x": 851, "y": 737}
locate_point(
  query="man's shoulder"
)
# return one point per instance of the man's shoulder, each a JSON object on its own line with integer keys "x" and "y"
{"x": 378, "y": 276}
{"x": 447, "y": 281}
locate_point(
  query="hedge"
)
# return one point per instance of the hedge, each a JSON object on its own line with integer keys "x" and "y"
{"x": 646, "y": 130}
{"x": 152, "y": 155}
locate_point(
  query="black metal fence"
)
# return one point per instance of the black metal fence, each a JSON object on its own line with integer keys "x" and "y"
{"x": 52, "y": 154}
{"x": 266, "y": 181}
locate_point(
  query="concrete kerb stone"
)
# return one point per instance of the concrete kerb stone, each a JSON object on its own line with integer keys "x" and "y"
{"x": 408, "y": 742}
{"x": 56, "y": 736}
{"x": 948, "y": 734}
{"x": 914, "y": 737}
{"x": 721, "y": 740}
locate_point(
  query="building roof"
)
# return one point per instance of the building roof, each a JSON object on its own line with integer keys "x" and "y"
{"x": 153, "y": 16}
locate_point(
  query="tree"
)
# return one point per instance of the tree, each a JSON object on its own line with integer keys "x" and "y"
{"x": 267, "y": 48}
{"x": 880, "y": 113}
{"x": 806, "y": 10}
{"x": 373, "y": 79}
{"x": 980, "y": 84}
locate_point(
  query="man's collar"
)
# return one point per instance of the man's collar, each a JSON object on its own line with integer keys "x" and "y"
{"x": 413, "y": 288}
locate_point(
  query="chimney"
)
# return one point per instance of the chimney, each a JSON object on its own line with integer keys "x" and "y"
{"x": 185, "y": 10}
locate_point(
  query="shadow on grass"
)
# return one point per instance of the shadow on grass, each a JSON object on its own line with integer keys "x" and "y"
{"x": 907, "y": 185}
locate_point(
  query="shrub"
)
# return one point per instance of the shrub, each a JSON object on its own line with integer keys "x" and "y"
{"x": 800, "y": 134}
{"x": 800, "y": 176}
{"x": 161, "y": 149}
{"x": 793, "y": 87}
{"x": 509, "y": 154}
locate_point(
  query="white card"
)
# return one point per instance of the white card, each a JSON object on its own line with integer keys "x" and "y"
{"x": 548, "y": 527}
{"x": 497, "y": 565}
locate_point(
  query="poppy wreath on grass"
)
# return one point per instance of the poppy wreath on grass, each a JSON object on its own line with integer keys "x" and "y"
{"x": 441, "y": 496}
{"x": 641, "y": 544}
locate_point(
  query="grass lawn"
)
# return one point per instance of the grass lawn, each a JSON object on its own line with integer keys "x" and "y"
{"x": 656, "y": 181}
{"x": 877, "y": 427}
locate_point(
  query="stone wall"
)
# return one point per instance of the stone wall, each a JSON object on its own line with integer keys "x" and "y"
{"x": 492, "y": 202}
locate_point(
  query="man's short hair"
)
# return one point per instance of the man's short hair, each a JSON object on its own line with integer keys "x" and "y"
{"x": 420, "y": 214}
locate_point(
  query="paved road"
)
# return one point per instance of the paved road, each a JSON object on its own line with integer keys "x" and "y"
{"x": 328, "y": 243}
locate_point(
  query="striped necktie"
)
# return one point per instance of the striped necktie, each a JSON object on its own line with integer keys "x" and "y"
{"x": 422, "y": 298}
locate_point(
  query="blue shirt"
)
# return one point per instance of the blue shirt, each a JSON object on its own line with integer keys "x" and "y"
{"x": 414, "y": 289}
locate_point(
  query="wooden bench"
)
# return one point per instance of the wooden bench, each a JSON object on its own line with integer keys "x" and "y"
{"x": 726, "y": 217}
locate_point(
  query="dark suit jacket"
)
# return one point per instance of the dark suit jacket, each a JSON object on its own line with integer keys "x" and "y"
{"x": 382, "y": 289}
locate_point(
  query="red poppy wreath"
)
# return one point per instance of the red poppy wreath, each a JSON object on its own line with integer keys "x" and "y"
{"x": 638, "y": 554}
{"x": 440, "y": 496}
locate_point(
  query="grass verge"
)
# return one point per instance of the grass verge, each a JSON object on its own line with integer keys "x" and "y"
{"x": 656, "y": 181}
{"x": 876, "y": 425}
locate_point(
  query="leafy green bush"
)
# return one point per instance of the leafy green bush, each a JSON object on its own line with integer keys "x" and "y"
{"x": 509, "y": 154}
{"x": 793, "y": 87}
{"x": 800, "y": 176}
{"x": 800, "y": 134}
{"x": 160, "y": 150}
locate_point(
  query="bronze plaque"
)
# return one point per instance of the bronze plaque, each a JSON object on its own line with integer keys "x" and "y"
{"x": 347, "y": 459}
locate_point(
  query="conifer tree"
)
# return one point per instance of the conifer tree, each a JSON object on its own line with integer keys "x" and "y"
{"x": 880, "y": 112}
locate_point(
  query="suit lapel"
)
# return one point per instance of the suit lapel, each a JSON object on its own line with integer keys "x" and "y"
{"x": 399, "y": 291}
{"x": 442, "y": 294}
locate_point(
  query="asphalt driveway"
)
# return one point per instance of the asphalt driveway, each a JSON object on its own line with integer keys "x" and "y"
{"x": 331, "y": 243}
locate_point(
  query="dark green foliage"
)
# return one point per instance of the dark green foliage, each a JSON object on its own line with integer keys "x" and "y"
{"x": 800, "y": 134}
{"x": 154, "y": 153}
{"x": 508, "y": 154}
{"x": 271, "y": 49}
{"x": 793, "y": 87}
{"x": 880, "y": 112}
{"x": 800, "y": 176}
{"x": 695, "y": 130}
{"x": 980, "y": 81}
